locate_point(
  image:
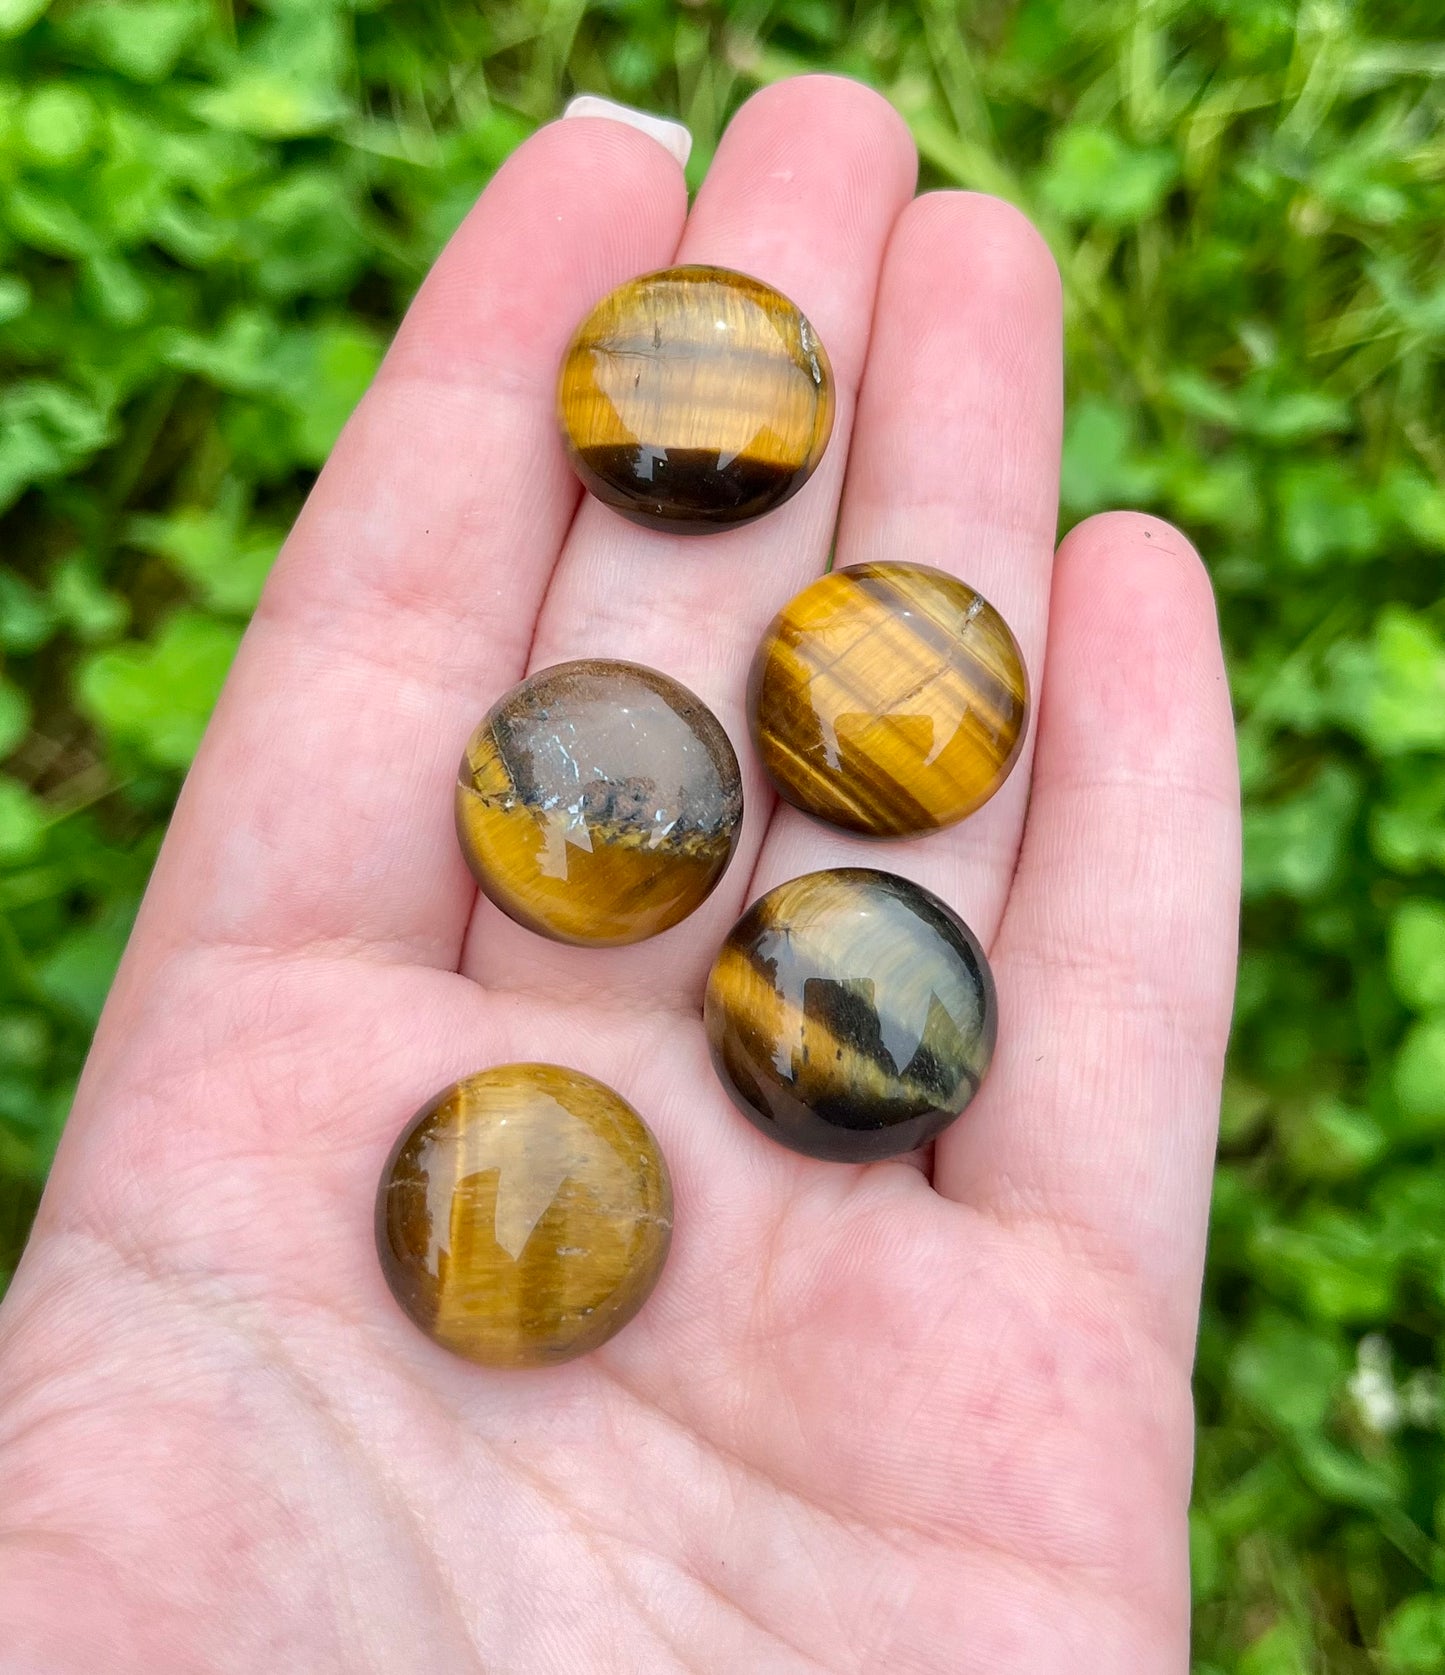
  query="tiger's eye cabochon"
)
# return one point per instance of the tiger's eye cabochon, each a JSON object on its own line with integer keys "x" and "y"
{"x": 695, "y": 399}
{"x": 524, "y": 1216}
{"x": 851, "y": 1014}
{"x": 599, "y": 802}
{"x": 890, "y": 699}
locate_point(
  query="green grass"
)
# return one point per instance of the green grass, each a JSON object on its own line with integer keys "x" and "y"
{"x": 211, "y": 215}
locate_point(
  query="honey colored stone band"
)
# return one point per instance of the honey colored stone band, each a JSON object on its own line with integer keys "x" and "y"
{"x": 695, "y": 399}
{"x": 524, "y": 1216}
{"x": 890, "y": 699}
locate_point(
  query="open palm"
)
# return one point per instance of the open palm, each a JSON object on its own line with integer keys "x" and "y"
{"x": 896, "y": 1418}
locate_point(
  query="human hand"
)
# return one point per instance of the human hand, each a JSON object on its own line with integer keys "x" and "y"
{"x": 920, "y": 1416}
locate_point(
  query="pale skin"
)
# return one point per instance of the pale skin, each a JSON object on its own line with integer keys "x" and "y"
{"x": 928, "y": 1417}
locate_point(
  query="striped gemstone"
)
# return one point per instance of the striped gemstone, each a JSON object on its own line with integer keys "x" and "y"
{"x": 599, "y": 802}
{"x": 524, "y": 1216}
{"x": 890, "y": 699}
{"x": 695, "y": 399}
{"x": 851, "y": 1014}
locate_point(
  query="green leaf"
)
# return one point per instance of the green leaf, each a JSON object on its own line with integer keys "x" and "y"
{"x": 1412, "y": 1640}
{"x": 1326, "y": 515}
{"x": 1281, "y": 1650}
{"x": 1200, "y": 398}
{"x": 14, "y": 716}
{"x": 25, "y": 1040}
{"x": 1357, "y": 182}
{"x": 1224, "y": 492}
{"x": 1332, "y": 1262}
{"x": 50, "y": 221}
{"x": 58, "y": 125}
{"x": 1346, "y": 1478}
{"x": 16, "y": 16}
{"x": 1206, "y": 1566}
{"x": 1296, "y": 847}
{"x": 1407, "y": 822}
{"x": 15, "y": 296}
{"x": 158, "y": 695}
{"x": 1289, "y": 1373}
{"x": 1335, "y": 1141}
{"x": 22, "y": 821}
{"x": 92, "y": 611}
{"x": 1408, "y": 1209}
{"x": 45, "y": 430}
{"x": 1093, "y": 175}
{"x": 271, "y": 105}
{"x": 1391, "y": 691}
{"x": 1420, "y": 1073}
{"x": 1102, "y": 463}
{"x": 80, "y": 969}
{"x": 1419, "y": 504}
{"x": 498, "y": 135}
{"x": 223, "y": 560}
{"x": 306, "y": 236}
{"x": 240, "y": 356}
{"x": 1293, "y": 416}
{"x": 341, "y": 361}
{"x": 116, "y": 291}
{"x": 27, "y": 619}
{"x": 142, "y": 39}
{"x": 1417, "y": 954}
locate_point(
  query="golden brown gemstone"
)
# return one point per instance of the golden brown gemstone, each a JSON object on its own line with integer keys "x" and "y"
{"x": 890, "y": 699}
{"x": 695, "y": 399}
{"x": 524, "y": 1216}
{"x": 851, "y": 1014}
{"x": 599, "y": 802}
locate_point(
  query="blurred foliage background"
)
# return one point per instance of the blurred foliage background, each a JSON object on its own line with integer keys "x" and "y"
{"x": 211, "y": 215}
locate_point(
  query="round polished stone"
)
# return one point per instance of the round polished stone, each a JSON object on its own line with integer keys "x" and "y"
{"x": 851, "y": 1014}
{"x": 524, "y": 1216}
{"x": 890, "y": 699}
{"x": 599, "y": 802}
{"x": 695, "y": 399}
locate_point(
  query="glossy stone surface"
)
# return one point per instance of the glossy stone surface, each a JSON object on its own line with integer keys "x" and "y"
{"x": 695, "y": 399}
{"x": 851, "y": 1014}
{"x": 524, "y": 1216}
{"x": 890, "y": 699}
{"x": 599, "y": 802}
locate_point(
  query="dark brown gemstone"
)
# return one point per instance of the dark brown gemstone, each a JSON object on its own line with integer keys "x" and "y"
{"x": 851, "y": 1014}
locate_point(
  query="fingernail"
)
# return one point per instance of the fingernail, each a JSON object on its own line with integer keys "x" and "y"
{"x": 671, "y": 136}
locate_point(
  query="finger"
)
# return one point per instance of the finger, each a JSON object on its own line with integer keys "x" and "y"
{"x": 807, "y": 182}
{"x": 955, "y": 464}
{"x": 1115, "y": 960}
{"x": 319, "y": 808}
